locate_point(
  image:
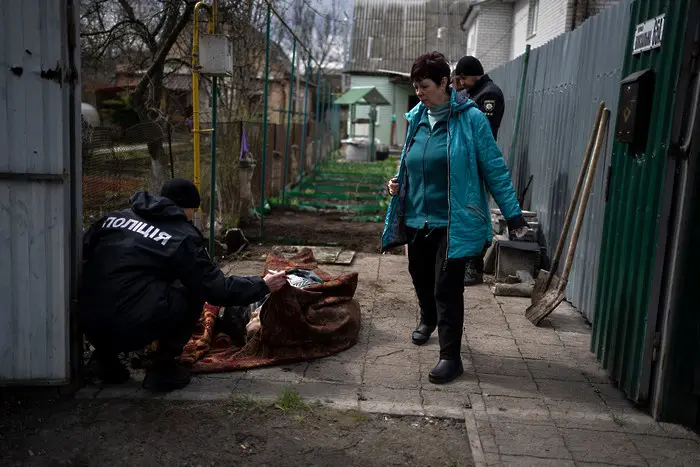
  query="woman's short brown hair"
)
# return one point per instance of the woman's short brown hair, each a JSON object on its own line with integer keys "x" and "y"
{"x": 431, "y": 66}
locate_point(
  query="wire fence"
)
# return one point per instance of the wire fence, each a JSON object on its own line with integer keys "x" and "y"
{"x": 273, "y": 129}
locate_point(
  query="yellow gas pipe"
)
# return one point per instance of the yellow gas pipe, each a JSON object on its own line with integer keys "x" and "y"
{"x": 195, "y": 85}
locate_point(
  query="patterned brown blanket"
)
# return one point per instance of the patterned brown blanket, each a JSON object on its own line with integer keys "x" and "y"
{"x": 296, "y": 324}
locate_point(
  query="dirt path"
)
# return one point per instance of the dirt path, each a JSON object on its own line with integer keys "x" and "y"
{"x": 238, "y": 432}
{"x": 321, "y": 229}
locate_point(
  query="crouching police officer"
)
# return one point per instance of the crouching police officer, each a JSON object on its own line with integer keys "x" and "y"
{"x": 469, "y": 78}
{"x": 146, "y": 276}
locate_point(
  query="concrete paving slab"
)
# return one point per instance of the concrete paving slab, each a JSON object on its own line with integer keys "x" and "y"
{"x": 485, "y": 432}
{"x": 485, "y": 364}
{"x": 536, "y": 336}
{"x": 584, "y": 415}
{"x": 530, "y": 440}
{"x": 487, "y": 330}
{"x": 474, "y": 317}
{"x": 444, "y": 404}
{"x": 535, "y": 351}
{"x": 288, "y": 373}
{"x": 574, "y": 391}
{"x": 395, "y": 377}
{"x": 659, "y": 451}
{"x": 527, "y": 461}
{"x": 497, "y": 346}
{"x": 394, "y": 354}
{"x": 512, "y": 386}
{"x": 355, "y": 354}
{"x": 377, "y": 399}
{"x": 506, "y": 409}
{"x": 575, "y": 339}
{"x": 334, "y": 371}
{"x": 602, "y": 446}
{"x": 553, "y": 370}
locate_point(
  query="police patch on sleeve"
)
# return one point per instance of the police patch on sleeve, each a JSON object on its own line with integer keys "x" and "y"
{"x": 489, "y": 107}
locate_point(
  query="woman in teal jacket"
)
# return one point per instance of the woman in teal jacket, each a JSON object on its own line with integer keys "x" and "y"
{"x": 439, "y": 205}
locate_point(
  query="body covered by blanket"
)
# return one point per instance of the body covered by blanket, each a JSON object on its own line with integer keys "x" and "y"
{"x": 297, "y": 324}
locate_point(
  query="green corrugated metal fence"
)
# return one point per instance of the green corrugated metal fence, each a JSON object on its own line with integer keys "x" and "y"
{"x": 623, "y": 329}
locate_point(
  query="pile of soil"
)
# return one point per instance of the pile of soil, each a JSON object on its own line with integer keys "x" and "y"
{"x": 309, "y": 228}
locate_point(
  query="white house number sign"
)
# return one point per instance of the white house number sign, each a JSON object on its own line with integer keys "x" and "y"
{"x": 648, "y": 35}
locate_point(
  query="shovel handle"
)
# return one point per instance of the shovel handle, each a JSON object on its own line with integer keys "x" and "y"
{"x": 590, "y": 177}
{"x": 574, "y": 198}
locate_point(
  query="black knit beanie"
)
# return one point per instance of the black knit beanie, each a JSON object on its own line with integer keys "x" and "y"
{"x": 469, "y": 66}
{"x": 182, "y": 192}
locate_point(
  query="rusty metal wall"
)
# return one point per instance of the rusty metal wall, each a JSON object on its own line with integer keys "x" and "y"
{"x": 39, "y": 193}
{"x": 566, "y": 80}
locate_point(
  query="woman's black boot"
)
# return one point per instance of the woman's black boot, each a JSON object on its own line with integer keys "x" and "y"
{"x": 422, "y": 333}
{"x": 445, "y": 371}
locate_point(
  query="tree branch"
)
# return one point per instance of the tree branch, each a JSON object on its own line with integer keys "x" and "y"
{"x": 159, "y": 59}
{"x": 141, "y": 28}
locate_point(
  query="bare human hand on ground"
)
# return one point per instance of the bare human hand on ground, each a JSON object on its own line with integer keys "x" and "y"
{"x": 275, "y": 282}
{"x": 393, "y": 186}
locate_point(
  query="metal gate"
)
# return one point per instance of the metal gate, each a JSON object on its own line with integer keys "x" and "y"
{"x": 639, "y": 199}
{"x": 40, "y": 220}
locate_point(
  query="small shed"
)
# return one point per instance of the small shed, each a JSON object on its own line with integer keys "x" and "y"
{"x": 363, "y": 96}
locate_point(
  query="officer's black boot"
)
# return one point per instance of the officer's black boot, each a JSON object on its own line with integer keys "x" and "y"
{"x": 166, "y": 375}
{"x": 110, "y": 369}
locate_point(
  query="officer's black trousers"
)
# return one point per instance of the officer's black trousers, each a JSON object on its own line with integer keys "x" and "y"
{"x": 171, "y": 324}
{"x": 439, "y": 286}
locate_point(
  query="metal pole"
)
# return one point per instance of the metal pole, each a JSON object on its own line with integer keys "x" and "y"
{"x": 322, "y": 125}
{"x": 212, "y": 182}
{"x": 372, "y": 129}
{"x": 195, "y": 93}
{"x": 518, "y": 110}
{"x": 328, "y": 122}
{"x": 317, "y": 119}
{"x": 289, "y": 123}
{"x": 263, "y": 168}
{"x": 302, "y": 155}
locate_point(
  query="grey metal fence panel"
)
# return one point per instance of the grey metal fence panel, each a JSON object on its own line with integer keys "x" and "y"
{"x": 38, "y": 129}
{"x": 566, "y": 80}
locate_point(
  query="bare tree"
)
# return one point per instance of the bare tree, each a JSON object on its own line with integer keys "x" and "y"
{"x": 139, "y": 34}
{"x": 322, "y": 32}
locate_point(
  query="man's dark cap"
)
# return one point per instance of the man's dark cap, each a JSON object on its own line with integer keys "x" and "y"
{"x": 182, "y": 192}
{"x": 469, "y": 66}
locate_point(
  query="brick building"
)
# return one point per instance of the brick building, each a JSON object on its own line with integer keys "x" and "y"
{"x": 498, "y": 30}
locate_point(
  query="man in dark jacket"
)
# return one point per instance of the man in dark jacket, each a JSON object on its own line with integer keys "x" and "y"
{"x": 469, "y": 73}
{"x": 470, "y": 79}
{"x": 146, "y": 276}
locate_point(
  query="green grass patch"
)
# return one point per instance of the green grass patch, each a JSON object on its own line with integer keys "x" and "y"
{"x": 289, "y": 400}
{"x": 336, "y": 196}
{"x": 362, "y": 218}
{"x": 354, "y": 208}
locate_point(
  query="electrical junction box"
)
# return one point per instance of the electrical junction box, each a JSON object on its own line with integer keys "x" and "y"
{"x": 634, "y": 110}
{"x": 215, "y": 55}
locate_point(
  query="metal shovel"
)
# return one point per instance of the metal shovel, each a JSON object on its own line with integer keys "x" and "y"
{"x": 537, "y": 312}
{"x": 545, "y": 279}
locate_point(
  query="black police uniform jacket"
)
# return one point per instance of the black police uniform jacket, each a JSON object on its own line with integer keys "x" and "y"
{"x": 132, "y": 257}
{"x": 489, "y": 98}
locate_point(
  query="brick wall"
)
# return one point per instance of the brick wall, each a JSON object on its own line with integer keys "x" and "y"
{"x": 519, "y": 36}
{"x": 494, "y": 32}
{"x": 553, "y": 20}
{"x": 597, "y": 6}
